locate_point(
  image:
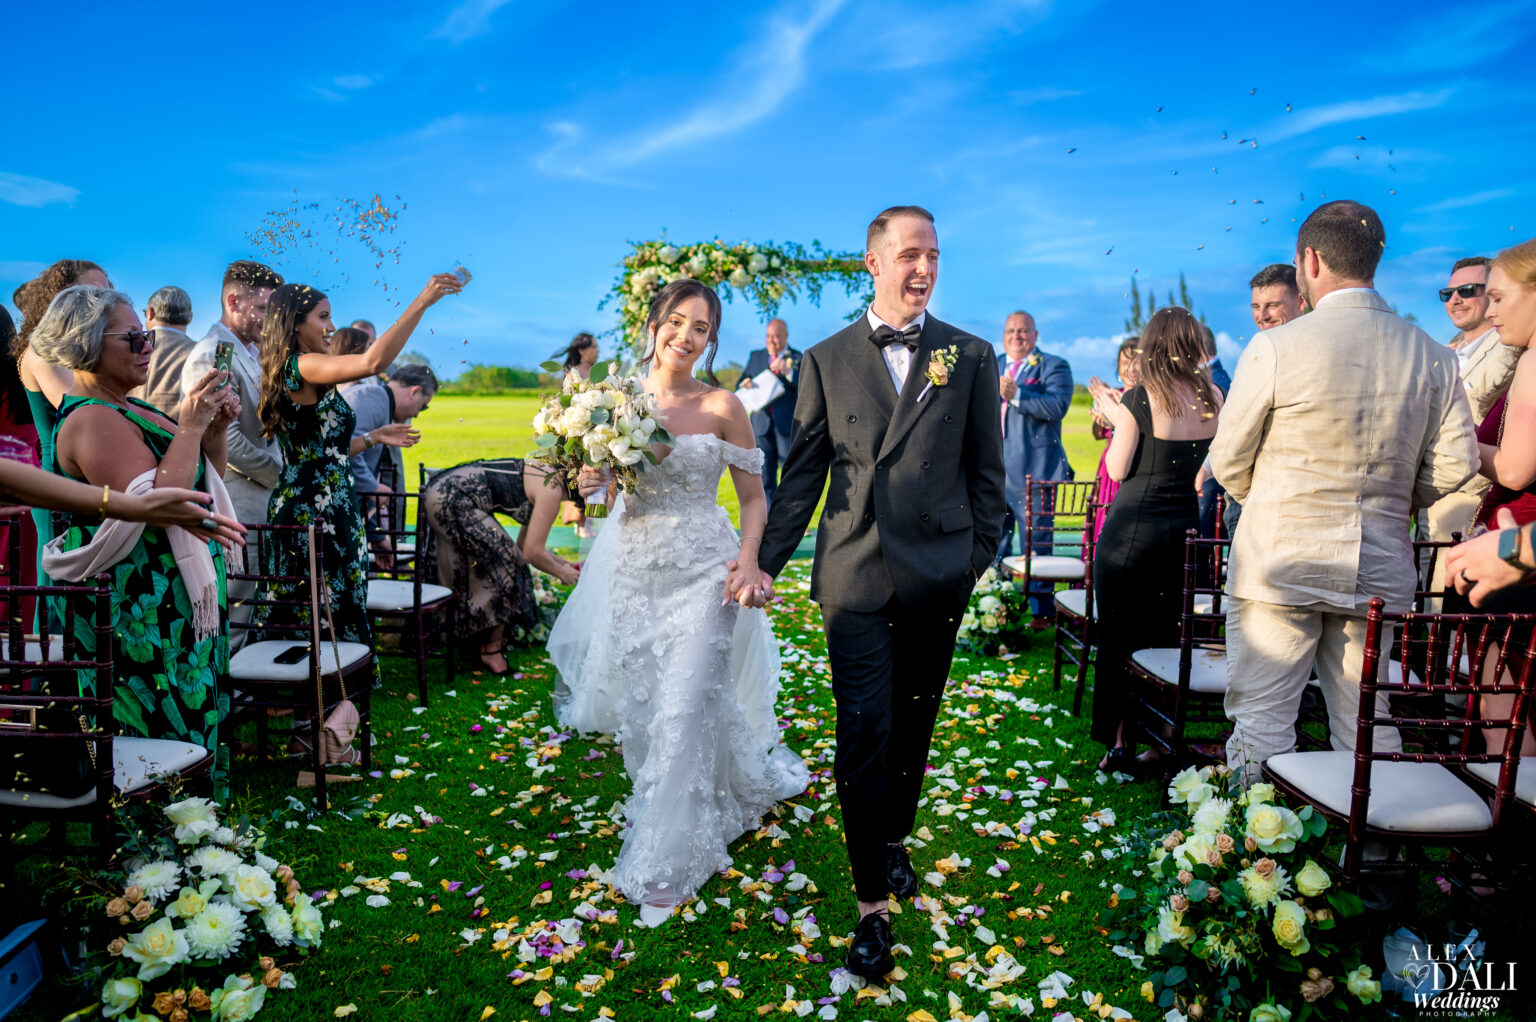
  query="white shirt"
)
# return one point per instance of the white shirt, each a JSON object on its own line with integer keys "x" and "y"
{"x": 1469, "y": 348}
{"x": 898, "y": 359}
{"x": 201, "y": 358}
{"x": 1344, "y": 291}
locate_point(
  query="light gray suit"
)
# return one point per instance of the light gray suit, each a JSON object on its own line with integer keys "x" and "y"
{"x": 254, "y": 462}
{"x": 166, "y": 362}
{"x": 1338, "y": 425}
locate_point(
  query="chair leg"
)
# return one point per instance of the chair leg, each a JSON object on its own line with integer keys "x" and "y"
{"x": 448, "y": 641}
{"x": 1082, "y": 671}
{"x": 1056, "y": 651}
{"x": 419, "y": 633}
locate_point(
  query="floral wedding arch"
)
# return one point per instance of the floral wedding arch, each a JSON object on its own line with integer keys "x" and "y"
{"x": 765, "y": 274}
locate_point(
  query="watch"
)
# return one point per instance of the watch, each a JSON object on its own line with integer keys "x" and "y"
{"x": 1510, "y": 549}
{"x": 367, "y": 440}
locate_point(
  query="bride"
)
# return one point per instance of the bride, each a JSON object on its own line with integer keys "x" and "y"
{"x": 652, "y": 646}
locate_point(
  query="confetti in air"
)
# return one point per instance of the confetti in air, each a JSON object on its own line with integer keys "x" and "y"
{"x": 295, "y": 235}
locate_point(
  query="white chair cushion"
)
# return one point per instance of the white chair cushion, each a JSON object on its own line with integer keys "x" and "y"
{"x": 1207, "y": 667}
{"x": 1525, "y": 779}
{"x": 388, "y": 594}
{"x": 1072, "y": 601}
{"x": 1048, "y": 568}
{"x": 1408, "y": 797}
{"x": 136, "y": 763}
{"x": 1204, "y": 603}
{"x": 256, "y": 660}
{"x": 32, "y": 648}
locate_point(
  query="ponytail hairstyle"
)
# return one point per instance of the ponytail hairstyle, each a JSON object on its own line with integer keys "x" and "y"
{"x": 1171, "y": 363}
{"x": 668, "y": 299}
{"x": 288, "y": 307}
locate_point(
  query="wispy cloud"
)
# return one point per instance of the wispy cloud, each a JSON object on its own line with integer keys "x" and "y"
{"x": 943, "y": 32}
{"x": 1041, "y": 94}
{"x": 470, "y": 19}
{"x": 771, "y": 69}
{"x": 1308, "y": 120}
{"x": 20, "y": 190}
{"x": 353, "y": 82}
{"x": 1372, "y": 159}
{"x": 1449, "y": 38}
{"x": 1463, "y": 201}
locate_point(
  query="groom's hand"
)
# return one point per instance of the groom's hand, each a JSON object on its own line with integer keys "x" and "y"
{"x": 757, "y": 595}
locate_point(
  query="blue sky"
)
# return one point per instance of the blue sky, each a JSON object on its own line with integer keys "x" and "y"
{"x": 1063, "y": 148}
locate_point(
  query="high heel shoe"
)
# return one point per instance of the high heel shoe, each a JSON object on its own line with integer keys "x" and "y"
{"x": 1121, "y": 760}
{"x": 500, "y": 651}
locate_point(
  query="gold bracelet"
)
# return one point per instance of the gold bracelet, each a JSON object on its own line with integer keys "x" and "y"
{"x": 106, "y": 491}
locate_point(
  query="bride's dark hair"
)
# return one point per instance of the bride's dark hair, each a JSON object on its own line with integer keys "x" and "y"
{"x": 668, "y": 299}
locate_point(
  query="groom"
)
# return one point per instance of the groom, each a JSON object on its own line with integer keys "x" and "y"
{"x": 899, "y": 411}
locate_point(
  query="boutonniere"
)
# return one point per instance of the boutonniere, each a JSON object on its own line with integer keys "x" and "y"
{"x": 1033, "y": 359}
{"x": 939, "y": 366}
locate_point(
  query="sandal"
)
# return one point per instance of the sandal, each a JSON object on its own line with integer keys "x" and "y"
{"x": 500, "y": 651}
{"x": 351, "y": 757}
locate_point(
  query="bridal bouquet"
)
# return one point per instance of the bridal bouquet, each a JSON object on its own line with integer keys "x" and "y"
{"x": 1230, "y": 894}
{"x": 600, "y": 422}
{"x": 200, "y": 913}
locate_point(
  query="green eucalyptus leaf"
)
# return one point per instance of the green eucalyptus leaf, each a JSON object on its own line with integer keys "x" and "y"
{"x": 600, "y": 416}
{"x": 547, "y": 440}
{"x": 565, "y": 400}
{"x": 552, "y": 367}
{"x": 598, "y": 373}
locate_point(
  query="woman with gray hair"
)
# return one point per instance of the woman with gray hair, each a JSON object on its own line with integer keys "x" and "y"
{"x": 169, "y": 591}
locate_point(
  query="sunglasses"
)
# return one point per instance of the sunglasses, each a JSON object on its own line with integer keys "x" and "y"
{"x": 136, "y": 339}
{"x": 1465, "y": 290}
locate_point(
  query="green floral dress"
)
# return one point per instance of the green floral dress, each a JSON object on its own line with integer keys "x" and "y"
{"x": 166, "y": 680}
{"x": 316, "y": 483}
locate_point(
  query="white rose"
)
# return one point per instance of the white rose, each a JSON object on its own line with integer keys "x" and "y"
{"x": 647, "y": 426}
{"x": 194, "y": 818}
{"x": 698, "y": 264}
{"x": 988, "y": 604}
{"x": 758, "y": 263}
{"x": 740, "y": 278}
{"x": 629, "y": 457}
{"x": 968, "y": 620}
{"x": 252, "y": 888}
{"x": 626, "y": 422}
{"x": 1189, "y": 787}
{"x": 541, "y": 422}
{"x": 118, "y": 995}
{"x": 307, "y": 924}
{"x": 239, "y": 1000}
{"x": 575, "y": 420}
{"x": 617, "y": 446}
{"x": 669, "y": 254}
{"x": 156, "y": 948}
{"x": 988, "y": 622}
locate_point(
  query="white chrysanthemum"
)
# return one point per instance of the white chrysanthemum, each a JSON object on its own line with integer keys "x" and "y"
{"x": 252, "y": 888}
{"x": 1211, "y": 817}
{"x": 266, "y": 862}
{"x": 194, "y": 818}
{"x": 213, "y": 861}
{"x": 216, "y": 931}
{"x": 158, "y": 879}
{"x": 279, "y": 925}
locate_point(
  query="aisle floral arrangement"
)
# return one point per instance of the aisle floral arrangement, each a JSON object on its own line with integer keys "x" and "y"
{"x": 996, "y": 616}
{"x": 602, "y": 421}
{"x": 1235, "y": 904}
{"x": 202, "y": 917}
{"x": 765, "y": 274}
{"x": 548, "y": 598}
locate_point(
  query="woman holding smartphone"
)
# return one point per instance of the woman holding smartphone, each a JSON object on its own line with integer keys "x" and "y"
{"x": 302, "y": 409}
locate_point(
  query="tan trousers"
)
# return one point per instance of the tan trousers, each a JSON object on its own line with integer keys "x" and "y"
{"x": 1271, "y": 653}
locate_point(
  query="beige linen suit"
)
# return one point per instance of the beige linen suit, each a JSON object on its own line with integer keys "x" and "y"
{"x": 166, "y": 361}
{"x": 1339, "y": 424}
{"x": 1489, "y": 370}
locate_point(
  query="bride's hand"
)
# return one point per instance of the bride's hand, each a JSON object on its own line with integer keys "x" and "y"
{"x": 748, "y": 586}
{"x": 590, "y": 481}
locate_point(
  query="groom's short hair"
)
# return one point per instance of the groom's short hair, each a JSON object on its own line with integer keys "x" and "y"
{"x": 878, "y": 225}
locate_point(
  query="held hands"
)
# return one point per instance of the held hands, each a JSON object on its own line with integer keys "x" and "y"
{"x": 397, "y": 434}
{"x": 206, "y": 402}
{"x": 438, "y": 285}
{"x": 747, "y": 584}
{"x": 1475, "y": 567}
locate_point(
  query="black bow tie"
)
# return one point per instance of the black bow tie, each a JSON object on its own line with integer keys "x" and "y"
{"x": 885, "y": 336}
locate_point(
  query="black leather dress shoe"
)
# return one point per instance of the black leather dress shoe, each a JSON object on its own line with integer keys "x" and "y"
{"x": 869, "y": 953}
{"x": 899, "y": 873}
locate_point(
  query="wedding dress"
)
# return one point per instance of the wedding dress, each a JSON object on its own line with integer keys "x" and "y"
{"x": 645, "y": 649}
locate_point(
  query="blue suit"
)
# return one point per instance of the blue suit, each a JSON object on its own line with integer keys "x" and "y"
{"x": 773, "y": 425}
{"x": 1031, "y": 425}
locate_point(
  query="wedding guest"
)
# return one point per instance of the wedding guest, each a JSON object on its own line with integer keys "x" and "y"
{"x": 18, "y": 444}
{"x": 167, "y": 316}
{"x": 469, "y": 551}
{"x": 1338, "y": 425}
{"x": 1105, "y": 398}
{"x": 302, "y": 411}
{"x": 351, "y": 340}
{"x": 1035, "y": 391}
{"x": 1275, "y": 298}
{"x": 1205, "y": 485}
{"x": 46, "y": 384}
{"x": 366, "y": 327}
{"x": 170, "y": 617}
{"x": 1507, "y": 435}
{"x": 1212, "y": 363}
{"x": 407, "y": 394}
{"x": 1162, "y": 430}
{"x": 773, "y": 423}
{"x": 1487, "y": 368}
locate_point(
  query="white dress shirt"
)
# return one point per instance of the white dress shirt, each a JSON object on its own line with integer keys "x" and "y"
{"x": 898, "y": 359}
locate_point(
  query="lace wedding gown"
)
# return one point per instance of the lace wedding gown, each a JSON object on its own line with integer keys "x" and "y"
{"x": 645, "y": 649}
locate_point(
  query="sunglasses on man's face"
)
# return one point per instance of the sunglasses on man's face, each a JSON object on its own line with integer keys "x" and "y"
{"x": 1465, "y": 290}
{"x": 136, "y": 339}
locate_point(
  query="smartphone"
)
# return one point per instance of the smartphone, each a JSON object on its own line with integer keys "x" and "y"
{"x": 223, "y": 358}
{"x": 292, "y": 655}
{"x": 463, "y": 275}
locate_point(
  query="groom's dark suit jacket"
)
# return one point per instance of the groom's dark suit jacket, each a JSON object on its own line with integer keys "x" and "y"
{"x": 915, "y": 496}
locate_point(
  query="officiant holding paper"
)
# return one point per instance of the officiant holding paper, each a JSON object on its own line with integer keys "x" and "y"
{"x": 769, "y": 387}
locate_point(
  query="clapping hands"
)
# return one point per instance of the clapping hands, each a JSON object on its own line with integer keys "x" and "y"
{"x": 1105, "y": 398}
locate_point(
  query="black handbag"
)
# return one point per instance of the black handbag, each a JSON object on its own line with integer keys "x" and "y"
{"x": 59, "y": 766}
